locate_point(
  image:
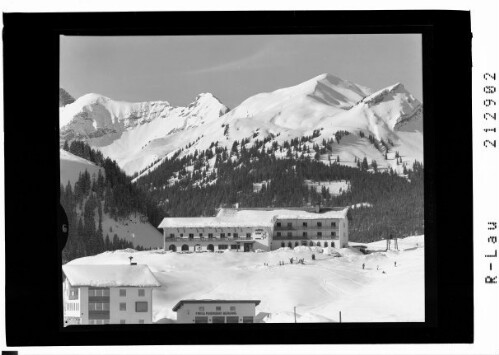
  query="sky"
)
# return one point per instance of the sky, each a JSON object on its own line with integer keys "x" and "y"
{"x": 178, "y": 68}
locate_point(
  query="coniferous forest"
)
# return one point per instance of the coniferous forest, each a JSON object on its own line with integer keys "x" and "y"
{"x": 198, "y": 184}
{"x": 109, "y": 193}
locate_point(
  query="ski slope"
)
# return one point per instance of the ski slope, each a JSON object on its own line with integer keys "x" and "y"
{"x": 318, "y": 289}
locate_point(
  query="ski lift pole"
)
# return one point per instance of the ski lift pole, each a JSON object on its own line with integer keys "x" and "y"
{"x": 295, "y": 312}
{"x": 340, "y": 316}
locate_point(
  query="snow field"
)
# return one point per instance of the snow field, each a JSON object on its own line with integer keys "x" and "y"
{"x": 319, "y": 289}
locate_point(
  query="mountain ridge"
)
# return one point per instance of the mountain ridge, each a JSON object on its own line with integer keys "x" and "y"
{"x": 138, "y": 134}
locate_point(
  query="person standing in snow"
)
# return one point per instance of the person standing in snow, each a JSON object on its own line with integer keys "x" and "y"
{"x": 395, "y": 263}
{"x": 363, "y": 266}
{"x": 313, "y": 256}
{"x": 290, "y": 260}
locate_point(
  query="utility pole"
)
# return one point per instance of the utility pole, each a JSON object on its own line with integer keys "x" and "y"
{"x": 295, "y": 313}
{"x": 340, "y": 316}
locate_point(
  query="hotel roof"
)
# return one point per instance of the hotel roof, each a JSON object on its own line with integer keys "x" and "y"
{"x": 228, "y": 217}
{"x": 110, "y": 275}
{"x": 182, "y": 302}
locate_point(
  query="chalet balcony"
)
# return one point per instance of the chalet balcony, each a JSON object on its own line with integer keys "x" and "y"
{"x": 206, "y": 239}
{"x": 286, "y": 228}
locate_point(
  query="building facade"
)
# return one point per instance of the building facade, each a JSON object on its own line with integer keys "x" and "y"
{"x": 216, "y": 311}
{"x": 251, "y": 229}
{"x": 108, "y": 294}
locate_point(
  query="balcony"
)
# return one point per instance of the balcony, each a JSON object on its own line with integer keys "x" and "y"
{"x": 206, "y": 239}
{"x": 286, "y": 228}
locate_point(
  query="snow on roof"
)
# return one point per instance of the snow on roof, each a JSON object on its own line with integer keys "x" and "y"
{"x": 228, "y": 217}
{"x": 182, "y": 302}
{"x": 110, "y": 275}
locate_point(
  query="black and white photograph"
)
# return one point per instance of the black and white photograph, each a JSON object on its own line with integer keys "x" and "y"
{"x": 242, "y": 178}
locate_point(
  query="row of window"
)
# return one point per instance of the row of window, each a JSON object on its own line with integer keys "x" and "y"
{"x": 139, "y": 306}
{"x": 221, "y": 319}
{"x": 141, "y": 292}
{"x": 106, "y": 321}
{"x": 218, "y": 308}
{"x": 98, "y": 292}
{"x": 304, "y": 224}
{"x": 290, "y": 245}
{"x": 210, "y": 235}
{"x": 304, "y": 234}
{"x": 98, "y": 306}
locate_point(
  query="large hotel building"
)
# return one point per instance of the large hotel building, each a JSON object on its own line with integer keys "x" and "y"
{"x": 257, "y": 228}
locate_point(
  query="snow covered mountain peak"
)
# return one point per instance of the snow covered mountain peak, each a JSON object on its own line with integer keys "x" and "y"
{"x": 207, "y": 103}
{"x": 139, "y": 135}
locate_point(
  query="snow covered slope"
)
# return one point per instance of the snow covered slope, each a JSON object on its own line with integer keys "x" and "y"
{"x": 319, "y": 289}
{"x": 72, "y": 165}
{"x": 136, "y": 135}
{"x": 135, "y": 228}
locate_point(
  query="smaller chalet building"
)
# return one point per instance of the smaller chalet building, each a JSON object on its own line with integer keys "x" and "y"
{"x": 216, "y": 311}
{"x": 108, "y": 294}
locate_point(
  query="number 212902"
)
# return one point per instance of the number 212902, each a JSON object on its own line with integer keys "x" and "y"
{"x": 491, "y": 106}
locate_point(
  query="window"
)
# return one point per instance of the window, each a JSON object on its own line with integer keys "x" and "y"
{"x": 247, "y": 319}
{"x": 305, "y": 234}
{"x": 319, "y": 234}
{"x": 232, "y": 319}
{"x": 248, "y": 235}
{"x": 142, "y": 292}
{"x": 218, "y": 308}
{"x": 210, "y": 235}
{"x": 200, "y": 235}
{"x": 325, "y": 244}
{"x": 122, "y": 306}
{"x": 140, "y": 306}
{"x": 222, "y": 247}
{"x": 236, "y": 235}
{"x": 283, "y": 245}
{"x": 222, "y": 235}
{"x": 73, "y": 293}
{"x": 200, "y": 319}
{"x": 181, "y": 235}
{"x": 278, "y": 234}
{"x": 232, "y": 308}
{"x": 172, "y": 235}
{"x": 234, "y": 246}
{"x": 228, "y": 234}
{"x": 278, "y": 224}
{"x": 98, "y": 306}
{"x": 290, "y": 234}
{"x": 122, "y": 321}
{"x": 333, "y": 224}
{"x": 201, "y": 309}
{"x": 191, "y": 235}
{"x": 98, "y": 292}
{"x": 218, "y": 319}
{"x": 333, "y": 234}
{"x": 319, "y": 224}
{"x": 122, "y": 293}
{"x": 141, "y": 321}
{"x": 305, "y": 224}
{"x": 332, "y": 244}
{"x": 290, "y": 224}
